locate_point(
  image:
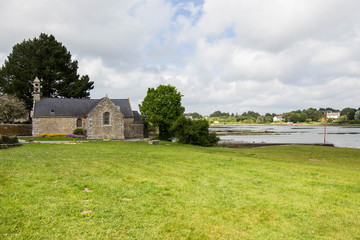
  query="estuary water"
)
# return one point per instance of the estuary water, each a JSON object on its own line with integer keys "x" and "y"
{"x": 340, "y": 136}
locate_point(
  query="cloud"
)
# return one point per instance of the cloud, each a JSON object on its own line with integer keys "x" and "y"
{"x": 231, "y": 55}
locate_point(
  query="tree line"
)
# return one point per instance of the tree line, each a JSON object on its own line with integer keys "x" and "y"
{"x": 347, "y": 115}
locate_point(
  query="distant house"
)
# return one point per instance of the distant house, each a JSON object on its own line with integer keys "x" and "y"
{"x": 99, "y": 118}
{"x": 333, "y": 115}
{"x": 278, "y": 118}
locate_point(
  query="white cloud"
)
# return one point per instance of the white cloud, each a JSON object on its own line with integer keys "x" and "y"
{"x": 231, "y": 55}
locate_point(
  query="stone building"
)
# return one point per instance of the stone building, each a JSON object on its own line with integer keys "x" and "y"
{"x": 99, "y": 118}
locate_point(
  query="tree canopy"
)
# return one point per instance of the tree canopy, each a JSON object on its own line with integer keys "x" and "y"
{"x": 194, "y": 132}
{"x": 194, "y": 115}
{"x": 357, "y": 115}
{"x": 161, "y": 107}
{"x": 11, "y": 108}
{"x": 50, "y": 61}
{"x": 348, "y": 112}
{"x": 219, "y": 114}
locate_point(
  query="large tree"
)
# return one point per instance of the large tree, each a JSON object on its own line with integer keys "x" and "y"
{"x": 51, "y": 62}
{"x": 348, "y": 112}
{"x": 11, "y": 108}
{"x": 357, "y": 115}
{"x": 161, "y": 107}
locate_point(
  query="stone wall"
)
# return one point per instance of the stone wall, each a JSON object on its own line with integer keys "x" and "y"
{"x": 138, "y": 130}
{"x": 55, "y": 125}
{"x": 16, "y": 129}
{"x": 133, "y": 130}
{"x": 95, "y": 127}
{"x": 128, "y": 132}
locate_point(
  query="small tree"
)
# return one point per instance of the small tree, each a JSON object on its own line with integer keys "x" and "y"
{"x": 357, "y": 115}
{"x": 348, "y": 112}
{"x": 161, "y": 107}
{"x": 11, "y": 108}
{"x": 195, "y": 115}
{"x": 342, "y": 119}
{"x": 194, "y": 132}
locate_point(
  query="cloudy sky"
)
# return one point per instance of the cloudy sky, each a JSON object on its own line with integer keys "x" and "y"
{"x": 228, "y": 55}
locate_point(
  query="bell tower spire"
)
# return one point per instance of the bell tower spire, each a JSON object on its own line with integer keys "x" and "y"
{"x": 36, "y": 92}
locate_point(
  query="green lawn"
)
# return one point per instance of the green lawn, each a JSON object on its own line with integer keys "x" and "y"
{"x": 133, "y": 190}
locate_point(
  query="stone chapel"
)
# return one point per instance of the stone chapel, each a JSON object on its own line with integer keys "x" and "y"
{"x": 99, "y": 118}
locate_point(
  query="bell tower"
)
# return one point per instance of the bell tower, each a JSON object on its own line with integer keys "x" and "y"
{"x": 36, "y": 92}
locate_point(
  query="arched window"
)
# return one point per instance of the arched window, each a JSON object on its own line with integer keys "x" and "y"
{"x": 106, "y": 118}
{"x": 79, "y": 123}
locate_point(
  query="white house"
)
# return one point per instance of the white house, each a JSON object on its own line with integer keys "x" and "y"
{"x": 277, "y": 118}
{"x": 333, "y": 115}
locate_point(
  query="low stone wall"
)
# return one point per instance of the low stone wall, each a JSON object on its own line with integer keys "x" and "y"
{"x": 16, "y": 129}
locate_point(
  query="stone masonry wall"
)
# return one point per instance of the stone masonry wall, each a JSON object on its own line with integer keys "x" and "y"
{"x": 16, "y": 129}
{"x": 127, "y": 127}
{"x": 133, "y": 130}
{"x": 95, "y": 127}
{"x": 55, "y": 125}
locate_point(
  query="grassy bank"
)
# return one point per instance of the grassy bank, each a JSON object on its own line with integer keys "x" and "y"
{"x": 133, "y": 190}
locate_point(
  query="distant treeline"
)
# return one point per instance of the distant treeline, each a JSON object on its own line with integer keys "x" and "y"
{"x": 347, "y": 115}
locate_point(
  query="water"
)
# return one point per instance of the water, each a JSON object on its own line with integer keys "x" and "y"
{"x": 348, "y": 137}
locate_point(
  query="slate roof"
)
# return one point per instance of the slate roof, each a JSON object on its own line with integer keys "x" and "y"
{"x": 72, "y": 107}
{"x": 137, "y": 117}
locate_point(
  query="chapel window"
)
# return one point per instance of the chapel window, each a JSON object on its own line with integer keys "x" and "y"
{"x": 106, "y": 118}
{"x": 78, "y": 123}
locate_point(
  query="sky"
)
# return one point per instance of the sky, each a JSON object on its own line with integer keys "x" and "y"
{"x": 230, "y": 55}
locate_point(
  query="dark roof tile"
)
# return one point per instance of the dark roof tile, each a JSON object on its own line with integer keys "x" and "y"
{"x": 73, "y": 107}
{"x": 137, "y": 117}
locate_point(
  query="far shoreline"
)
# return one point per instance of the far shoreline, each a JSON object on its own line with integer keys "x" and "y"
{"x": 281, "y": 124}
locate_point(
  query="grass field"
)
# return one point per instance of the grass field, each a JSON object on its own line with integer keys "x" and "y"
{"x": 133, "y": 190}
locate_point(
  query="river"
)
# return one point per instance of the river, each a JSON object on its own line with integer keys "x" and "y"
{"x": 340, "y": 136}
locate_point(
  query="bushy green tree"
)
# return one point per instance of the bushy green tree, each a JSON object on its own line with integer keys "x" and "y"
{"x": 219, "y": 114}
{"x": 302, "y": 117}
{"x": 161, "y": 107}
{"x": 251, "y": 114}
{"x": 357, "y": 115}
{"x": 50, "y": 61}
{"x": 260, "y": 119}
{"x": 342, "y": 119}
{"x": 269, "y": 119}
{"x": 294, "y": 117}
{"x": 313, "y": 114}
{"x": 194, "y": 132}
{"x": 194, "y": 115}
{"x": 348, "y": 112}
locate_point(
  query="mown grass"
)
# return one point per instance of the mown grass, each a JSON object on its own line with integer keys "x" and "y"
{"x": 132, "y": 190}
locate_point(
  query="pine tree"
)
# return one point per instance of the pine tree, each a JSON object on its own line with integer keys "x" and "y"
{"x": 50, "y": 61}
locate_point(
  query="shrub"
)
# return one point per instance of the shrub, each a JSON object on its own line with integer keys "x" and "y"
{"x": 79, "y": 131}
{"x": 9, "y": 139}
{"x": 330, "y": 120}
{"x": 1, "y": 141}
{"x": 5, "y": 139}
{"x": 194, "y": 132}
